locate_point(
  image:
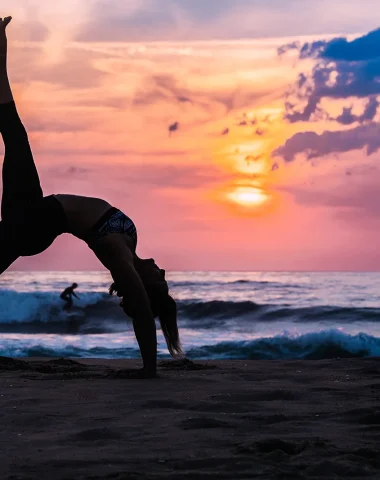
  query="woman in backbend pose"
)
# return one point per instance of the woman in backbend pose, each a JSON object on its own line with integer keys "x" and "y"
{"x": 31, "y": 222}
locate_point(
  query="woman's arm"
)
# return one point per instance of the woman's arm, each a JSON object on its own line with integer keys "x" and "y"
{"x": 136, "y": 300}
{"x": 5, "y": 88}
{"x": 114, "y": 254}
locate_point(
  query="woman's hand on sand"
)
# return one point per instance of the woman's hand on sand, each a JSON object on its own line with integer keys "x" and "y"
{"x": 3, "y": 38}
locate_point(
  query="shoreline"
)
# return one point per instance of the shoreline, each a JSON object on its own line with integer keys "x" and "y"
{"x": 231, "y": 419}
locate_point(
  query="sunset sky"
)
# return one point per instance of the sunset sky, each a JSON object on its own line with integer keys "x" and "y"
{"x": 238, "y": 135}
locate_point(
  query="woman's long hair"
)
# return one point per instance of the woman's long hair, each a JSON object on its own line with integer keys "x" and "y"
{"x": 167, "y": 315}
{"x": 165, "y": 308}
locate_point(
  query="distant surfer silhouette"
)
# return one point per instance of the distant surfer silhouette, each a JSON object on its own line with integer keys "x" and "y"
{"x": 31, "y": 222}
{"x": 67, "y": 296}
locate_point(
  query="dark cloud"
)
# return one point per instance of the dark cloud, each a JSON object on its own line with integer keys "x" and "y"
{"x": 313, "y": 145}
{"x": 161, "y": 88}
{"x": 339, "y": 49}
{"x": 168, "y": 88}
{"x": 361, "y": 49}
{"x": 275, "y": 167}
{"x": 184, "y": 99}
{"x": 369, "y": 113}
{"x": 288, "y": 47}
{"x": 344, "y": 69}
{"x": 246, "y": 121}
{"x": 173, "y": 127}
{"x": 313, "y": 49}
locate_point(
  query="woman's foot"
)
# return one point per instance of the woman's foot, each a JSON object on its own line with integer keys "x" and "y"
{"x": 3, "y": 38}
{"x": 5, "y": 89}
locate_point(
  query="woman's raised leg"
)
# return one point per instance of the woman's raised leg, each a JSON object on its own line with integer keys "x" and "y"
{"x": 21, "y": 184}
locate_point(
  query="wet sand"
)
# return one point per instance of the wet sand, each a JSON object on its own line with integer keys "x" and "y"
{"x": 62, "y": 419}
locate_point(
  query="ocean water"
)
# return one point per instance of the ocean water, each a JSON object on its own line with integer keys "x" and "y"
{"x": 222, "y": 315}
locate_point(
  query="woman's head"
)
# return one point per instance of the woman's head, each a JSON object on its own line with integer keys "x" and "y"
{"x": 162, "y": 304}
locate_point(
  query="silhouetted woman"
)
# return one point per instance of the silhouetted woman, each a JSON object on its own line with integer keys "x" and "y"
{"x": 31, "y": 222}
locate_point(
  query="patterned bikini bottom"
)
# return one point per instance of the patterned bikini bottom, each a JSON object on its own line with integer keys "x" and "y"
{"x": 113, "y": 221}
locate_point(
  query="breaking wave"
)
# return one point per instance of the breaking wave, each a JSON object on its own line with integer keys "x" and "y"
{"x": 326, "y": 344}
{"x": 41, "y": 312}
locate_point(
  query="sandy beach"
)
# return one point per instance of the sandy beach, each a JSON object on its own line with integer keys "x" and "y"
{"x": 65, "y": 419}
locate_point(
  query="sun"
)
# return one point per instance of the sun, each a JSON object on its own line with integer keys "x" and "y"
{"x": 248, "y": 196}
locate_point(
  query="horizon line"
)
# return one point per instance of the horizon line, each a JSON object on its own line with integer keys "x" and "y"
{"x": 202, "y": 271}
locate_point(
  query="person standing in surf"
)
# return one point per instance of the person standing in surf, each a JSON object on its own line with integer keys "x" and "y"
{"x": 31, "y": 222}
{"x": 67, "y": 296}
